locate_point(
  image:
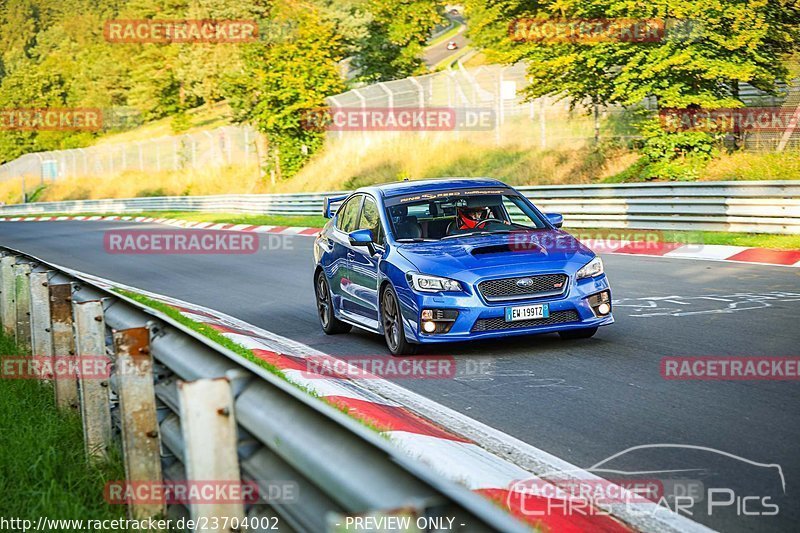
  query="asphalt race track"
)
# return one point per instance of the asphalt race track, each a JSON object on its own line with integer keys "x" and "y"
{"x": 583, "y": 401}
{"x": 437, "y": 53}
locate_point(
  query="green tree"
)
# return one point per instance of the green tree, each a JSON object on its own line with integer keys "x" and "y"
{"x": 709, "y": 48}
{"x": 396, "y": 38}
{"x": 286, "y": 77}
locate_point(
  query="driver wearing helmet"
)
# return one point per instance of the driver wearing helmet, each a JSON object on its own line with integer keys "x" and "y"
{"x": 470, "y": 217}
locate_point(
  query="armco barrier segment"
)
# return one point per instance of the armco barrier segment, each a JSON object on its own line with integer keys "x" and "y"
{"x": 339, "y": 465}
{"x": 284, "y": 433}
{"x": 738, "y": 206}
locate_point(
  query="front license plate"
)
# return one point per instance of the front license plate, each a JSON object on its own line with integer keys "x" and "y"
{"x": 527, "y": 312}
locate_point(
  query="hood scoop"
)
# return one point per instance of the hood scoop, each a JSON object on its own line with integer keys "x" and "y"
{"x": 505, "y": 248}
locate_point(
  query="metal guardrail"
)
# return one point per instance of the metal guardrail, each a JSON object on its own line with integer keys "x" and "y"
{"x": 742, "y": 206}
{"x": 185, "y": 408}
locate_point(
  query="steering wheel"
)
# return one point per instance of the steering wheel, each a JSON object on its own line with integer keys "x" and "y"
{"x": 482, "y": 223}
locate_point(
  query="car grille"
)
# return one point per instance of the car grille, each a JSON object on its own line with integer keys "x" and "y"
{"x": 497, "y": 290}
{"x": 499, "y": 323}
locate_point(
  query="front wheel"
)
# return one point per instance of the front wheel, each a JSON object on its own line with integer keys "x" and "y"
{"x": 327, "y": 318}
{"x": 577, "y": 333}
{"x": 392, "y": 321}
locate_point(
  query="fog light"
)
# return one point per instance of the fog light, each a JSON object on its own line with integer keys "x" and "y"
{"x": 600, "y": 303}
{"x": 429, "y": 326}
{"x": 427, "y": 314}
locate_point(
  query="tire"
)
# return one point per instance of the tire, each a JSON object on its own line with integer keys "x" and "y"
{"x": 327, "y": 318}
{"x": 392, "y": 321}
{"x": 577, "y": 333}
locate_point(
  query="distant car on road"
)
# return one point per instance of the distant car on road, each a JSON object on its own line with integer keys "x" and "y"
{"x": 454, "y": 12}
{"x": 434, "y": 261}
{"x": 452, "y": 45}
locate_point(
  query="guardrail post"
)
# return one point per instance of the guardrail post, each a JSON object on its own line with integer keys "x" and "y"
{"x": 8, "y": 309}
{"x": 95, "y": 406}
{"x": 22, "y": 297}
{"x": 209, "y": 436}
{"x": 63, "y": 342}
{"x": 40, "y": 316}
{"x": 137, "y": 404}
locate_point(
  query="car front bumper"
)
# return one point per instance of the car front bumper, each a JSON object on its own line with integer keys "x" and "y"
{"x": 478, "y": 319}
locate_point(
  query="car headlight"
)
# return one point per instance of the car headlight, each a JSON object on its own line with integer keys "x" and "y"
{"x": 591, "y": 269}
{"x": 424, "y": 283}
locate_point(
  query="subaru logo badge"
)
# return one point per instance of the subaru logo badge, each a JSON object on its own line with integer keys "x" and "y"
{"x": 525, "y": 282}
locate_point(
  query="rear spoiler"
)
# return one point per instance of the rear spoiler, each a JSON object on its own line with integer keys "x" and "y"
{"x": 329, "y": 200}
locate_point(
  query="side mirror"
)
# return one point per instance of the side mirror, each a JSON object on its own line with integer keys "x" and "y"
{"x": 556, "y": 219}
{"x": 362, "y": 237}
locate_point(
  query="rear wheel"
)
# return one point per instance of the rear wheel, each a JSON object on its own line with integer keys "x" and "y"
{"x": 577, "y": 333}
{"x": 327, "y": 318}
{"x": 392, "y": 321}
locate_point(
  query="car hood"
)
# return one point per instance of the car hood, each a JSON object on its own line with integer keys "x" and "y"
{"x": 517, "y": 253}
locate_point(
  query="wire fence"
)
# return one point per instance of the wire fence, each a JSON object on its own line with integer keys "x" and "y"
{"x": 488, "y": 102}
{"x": 548, "y": 121}
{"x": 228, "y": 145}
{"x": 495, "y": 92}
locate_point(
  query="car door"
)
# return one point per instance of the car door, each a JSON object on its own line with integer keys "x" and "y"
{"x": 364, "y": 264}
{"x": 342, "y": 253}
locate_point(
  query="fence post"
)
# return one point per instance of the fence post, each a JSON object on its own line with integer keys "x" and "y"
{"x": 22, "y": 297}
{"x": 40, "y": 315}
{"x": 8, "y": 309}
{"x": 137, "y": 404}
{"x": 209, "y": 435}
{"x": 63, "y": 342}
{"x": 95, "y": 407}
{"x": 363, "y": 101}
{"x": 542, "y": 125}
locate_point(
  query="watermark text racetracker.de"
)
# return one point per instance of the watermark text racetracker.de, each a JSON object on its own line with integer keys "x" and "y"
{"x": 587, "y": 31}
{"x": 731, "y": 368}
{"x": 67, "y": 367}
{"x": 382, "y": 367}
{"x": 186, "y": 492}
{"x": 180, "y": 31}
{"x": 629, "y": 241}
{"x": 190, "y": 241}
{"x": 744, "y": 119}
{"x": 441, "y": 119}
{"x": 51, "y": 119}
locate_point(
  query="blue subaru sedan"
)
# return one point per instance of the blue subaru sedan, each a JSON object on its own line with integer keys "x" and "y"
{"x": 445, "y": 260}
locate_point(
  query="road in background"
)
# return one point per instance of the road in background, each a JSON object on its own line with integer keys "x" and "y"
{"x": 583, "y": 401}
{"x": 437, "y": 53}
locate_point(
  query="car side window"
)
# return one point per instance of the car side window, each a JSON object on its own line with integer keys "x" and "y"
{"x": 370, "y": 219}
{"x": 514, "y": 208}
{"x": 348, "y": 214}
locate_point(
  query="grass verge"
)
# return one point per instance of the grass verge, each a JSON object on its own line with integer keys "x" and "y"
{"x": 311, "y": 221}
{"x": 43, "y": 471}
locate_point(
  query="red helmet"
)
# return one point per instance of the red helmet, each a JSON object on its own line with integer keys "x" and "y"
{"x": 470, "y": 217}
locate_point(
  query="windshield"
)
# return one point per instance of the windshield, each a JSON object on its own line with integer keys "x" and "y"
{"x": 445, "y": 216}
